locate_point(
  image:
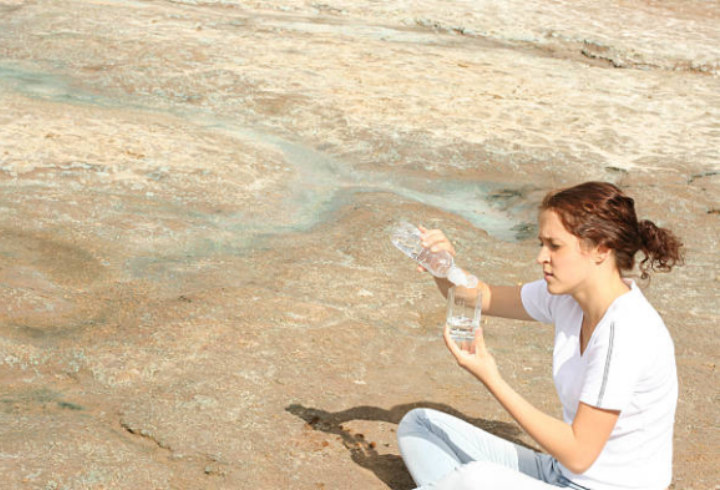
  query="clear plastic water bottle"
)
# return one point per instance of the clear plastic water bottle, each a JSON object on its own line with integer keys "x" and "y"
{"x": 406, "y": 237}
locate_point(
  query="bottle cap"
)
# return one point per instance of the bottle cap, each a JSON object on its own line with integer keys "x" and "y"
{"x": 472, "y": 281}
{"x": 458, "y": 277}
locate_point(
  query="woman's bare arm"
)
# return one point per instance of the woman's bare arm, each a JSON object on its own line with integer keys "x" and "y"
{"x": 503, "y": 301}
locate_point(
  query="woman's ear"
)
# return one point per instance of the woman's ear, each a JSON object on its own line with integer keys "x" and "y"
{"x": 601, "y": 254}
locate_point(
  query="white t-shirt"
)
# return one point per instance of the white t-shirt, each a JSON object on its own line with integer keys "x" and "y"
{"x": 628, "y": 365}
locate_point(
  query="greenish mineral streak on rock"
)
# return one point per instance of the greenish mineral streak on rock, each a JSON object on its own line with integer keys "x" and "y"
{"x": 70, "y": 406}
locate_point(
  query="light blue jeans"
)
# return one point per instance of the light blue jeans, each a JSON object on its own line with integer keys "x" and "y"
{"x": 443, "y": 452}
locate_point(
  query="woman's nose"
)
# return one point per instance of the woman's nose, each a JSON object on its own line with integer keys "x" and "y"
{"x": 542, "y": 256}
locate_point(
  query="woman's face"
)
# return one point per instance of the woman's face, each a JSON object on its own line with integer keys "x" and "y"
{"x": 566, "y": 264}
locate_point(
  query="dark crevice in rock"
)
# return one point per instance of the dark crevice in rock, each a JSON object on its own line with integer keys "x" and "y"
{"x": 145, "y": 434}
{"x": 703, "y": 175}
{"x": 612, "y": 57}
{"x": 210, "y": 464}
{"x": 588, "y": 51}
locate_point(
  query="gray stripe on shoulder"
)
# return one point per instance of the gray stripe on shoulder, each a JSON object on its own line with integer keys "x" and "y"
{"x": 607, "y": 364}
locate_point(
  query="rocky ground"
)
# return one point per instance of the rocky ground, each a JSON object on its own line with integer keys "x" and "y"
{"x": 197, "y": 286}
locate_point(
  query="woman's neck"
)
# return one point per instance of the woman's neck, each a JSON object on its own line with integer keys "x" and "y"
{"x": 597, "y": 297}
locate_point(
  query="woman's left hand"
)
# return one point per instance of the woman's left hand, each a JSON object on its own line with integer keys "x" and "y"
{"x": 473, "y": 356}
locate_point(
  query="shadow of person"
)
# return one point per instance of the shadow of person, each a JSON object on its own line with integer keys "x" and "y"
{"x": 389, "y": 468}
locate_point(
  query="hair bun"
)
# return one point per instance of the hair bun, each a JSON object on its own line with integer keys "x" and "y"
{"x": 660, "y": 246}
{"x": 647, "y": 231}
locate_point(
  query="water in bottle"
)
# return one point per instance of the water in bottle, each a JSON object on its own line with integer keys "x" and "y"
{"x": 407, "y": 238}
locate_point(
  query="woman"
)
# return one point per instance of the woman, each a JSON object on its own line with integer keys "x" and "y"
{"x": 613, "y": 361}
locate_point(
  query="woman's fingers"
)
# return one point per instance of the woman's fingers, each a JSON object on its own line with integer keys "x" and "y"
{"x": 451, "y": 345}
{"x": 472, "y": 356}
{"x": 436, "y": 240}
{"x": 457, "y": 351}
{"x": 479, "y": 342}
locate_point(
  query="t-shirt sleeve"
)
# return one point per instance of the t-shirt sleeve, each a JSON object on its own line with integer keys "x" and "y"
{"x": 613, "y": 368}
{"x": 537, "y": 301}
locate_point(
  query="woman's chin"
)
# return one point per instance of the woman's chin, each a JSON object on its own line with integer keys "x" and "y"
{"x": 554, "y": 288}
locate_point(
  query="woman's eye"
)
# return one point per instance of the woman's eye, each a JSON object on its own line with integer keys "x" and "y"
{"x": 551, "y": 246}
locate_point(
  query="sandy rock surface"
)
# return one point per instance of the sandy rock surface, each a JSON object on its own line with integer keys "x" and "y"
{"x": 195, "y": 196}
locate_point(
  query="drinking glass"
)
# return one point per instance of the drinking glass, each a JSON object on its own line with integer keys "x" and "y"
{"x": 463, "y": 315}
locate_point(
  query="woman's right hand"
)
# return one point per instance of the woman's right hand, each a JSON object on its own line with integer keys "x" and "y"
{"x": 436, "y": 241}
{"x": 473, "y": 357}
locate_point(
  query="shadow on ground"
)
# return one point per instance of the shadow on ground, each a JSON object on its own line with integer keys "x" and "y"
{"x": 387, "y": 467}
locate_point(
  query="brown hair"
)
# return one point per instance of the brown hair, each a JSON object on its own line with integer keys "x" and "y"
{"x": 599, "y": 213}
